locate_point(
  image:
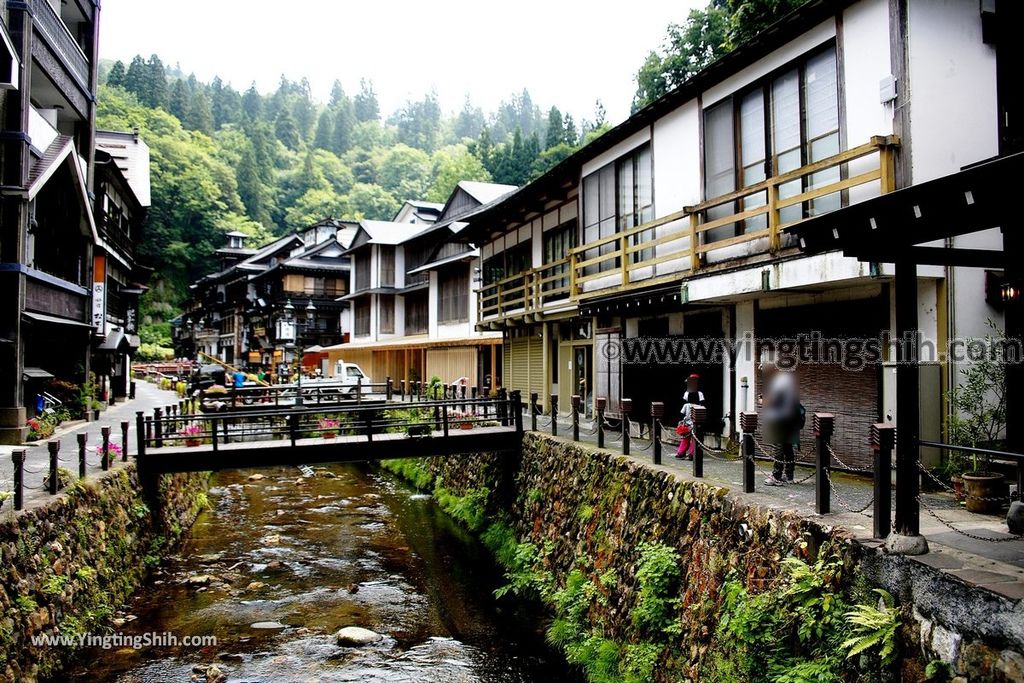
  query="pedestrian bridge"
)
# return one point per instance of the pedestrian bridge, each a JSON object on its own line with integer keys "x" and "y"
{"x": 317, "y": 435}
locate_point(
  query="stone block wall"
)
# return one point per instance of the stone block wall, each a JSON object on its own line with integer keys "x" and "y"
{"x": 67, "y": 566}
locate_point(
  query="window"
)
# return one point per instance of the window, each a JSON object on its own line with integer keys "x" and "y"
{"x": 361, "y": 265}
{"x": 616, "y": 198}
{"x": 362, "y": 317}
{"x": 780, "y": 124}
{"x": 387, "y": 266}
{"x": 417, "y": 315}
{"x": 354, "y": 372}
{"x": 386, "y": 307}
{"x": 557, "y": 243}
{"x": 453, "y": 296}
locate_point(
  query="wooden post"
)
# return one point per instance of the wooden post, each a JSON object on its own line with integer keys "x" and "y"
{"x": 517, "y": 407}
{"x": 883, "y": 437}
{"x": 140, "y": 434}
{"x": 124, "y": 440}
{"x": 700, "y": 416}
{"x": 105, "y": 460}
{"x": 158, "y": 424}
{"x": 503, "y": 406}
{"x": 694, "y": 240}
{"x": 389, "y": 389}
{"x": 748, "y": 425}
{"x": 18, "y": 458}
{"x": 908, "y": 408}
{"x": 554, "y": 414}
{"x": 401, "y": 390}
{"x": 626, "y": 406}
{"x": 657, "y": 412}
{"x": 368, "y": 421}
{"x": 82, "y": 455}
{"x": 359, "y": 390}
{"x": 533, "y": 411}
{"x": 293, "y": 428}
{"x": 601, "y": 403}
{"x": 437, "y": 417}
{"x": 575, "y": 417}
{"x": 444, "y": 418}
{"x": 54, "y": 448}
{"x": 823, "y": 425}
{"x": 774, "y": 241}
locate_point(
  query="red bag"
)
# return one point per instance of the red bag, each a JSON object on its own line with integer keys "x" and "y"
{"x": 682, "y": 430}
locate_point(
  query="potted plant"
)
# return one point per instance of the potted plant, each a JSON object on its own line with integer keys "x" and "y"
{"x": 329, "y": 427}
{"x": 978, "y": 419}
{"x": 113, "y": 449}
{"x": 462, "y": 420}
{"x": 192, "y": 434}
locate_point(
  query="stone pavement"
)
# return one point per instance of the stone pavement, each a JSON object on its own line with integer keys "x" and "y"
{"x": 996, "y": 564}
{"x": 37, "y": 460}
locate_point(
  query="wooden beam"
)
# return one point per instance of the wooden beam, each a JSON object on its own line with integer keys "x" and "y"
{"x": 936, "y": 256}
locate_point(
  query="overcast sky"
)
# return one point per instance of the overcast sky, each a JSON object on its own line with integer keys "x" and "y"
{"x": 565, "y": 53}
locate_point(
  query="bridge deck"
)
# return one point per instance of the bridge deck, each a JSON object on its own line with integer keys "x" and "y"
{"x": 242, "y": 454}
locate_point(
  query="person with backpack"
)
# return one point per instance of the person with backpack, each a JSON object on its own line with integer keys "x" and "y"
{"x": 784, "y": 417}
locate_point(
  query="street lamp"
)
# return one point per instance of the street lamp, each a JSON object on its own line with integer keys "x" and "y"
{"x": 310, "y": 323}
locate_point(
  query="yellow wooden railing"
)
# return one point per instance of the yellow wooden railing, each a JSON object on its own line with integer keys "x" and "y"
{"x": 526, "y": 292}
{"x": 629, "y": 257}
{"x": 595, "y": 273}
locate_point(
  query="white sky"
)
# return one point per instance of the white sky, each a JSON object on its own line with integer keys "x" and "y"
{"x": 566, "y": 54}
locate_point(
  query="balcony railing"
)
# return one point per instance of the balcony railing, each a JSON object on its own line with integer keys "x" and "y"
{"x": 61, "y": 41}
{"x": 668, "y": 248}
{"x": 526, "y": 292}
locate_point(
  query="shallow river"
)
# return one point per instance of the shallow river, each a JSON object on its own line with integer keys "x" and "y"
{"x": 357, "y": 549}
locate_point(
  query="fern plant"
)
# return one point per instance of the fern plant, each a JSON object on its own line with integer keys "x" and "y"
{"x": 874, "y": 627}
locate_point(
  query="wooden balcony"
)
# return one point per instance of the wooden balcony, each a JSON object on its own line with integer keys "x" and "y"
{"x": 526, "y": 292}
{"x": 689, "y": 241}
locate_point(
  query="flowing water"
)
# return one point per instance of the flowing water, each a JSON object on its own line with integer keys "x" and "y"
{"x": 279, "y": 564}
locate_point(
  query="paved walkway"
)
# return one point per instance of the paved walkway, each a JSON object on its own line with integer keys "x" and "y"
{"x": 981, "y": 552}
{"x": 37, "y": 460}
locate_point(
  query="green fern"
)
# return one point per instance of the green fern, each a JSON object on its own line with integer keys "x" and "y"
{"x": 874, "y": 627}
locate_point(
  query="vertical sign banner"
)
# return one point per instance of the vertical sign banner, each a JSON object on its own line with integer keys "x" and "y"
{"x": 99, "y": 294}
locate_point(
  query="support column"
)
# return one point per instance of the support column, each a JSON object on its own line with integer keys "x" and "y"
{"x": 907, "y": 539}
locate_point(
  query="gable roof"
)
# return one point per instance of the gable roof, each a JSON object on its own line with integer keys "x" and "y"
{"x": 485, "y": 192}
{"x": 385, "y": 232}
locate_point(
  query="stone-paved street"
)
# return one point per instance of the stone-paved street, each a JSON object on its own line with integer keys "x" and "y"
{"x": 37, "y": 460}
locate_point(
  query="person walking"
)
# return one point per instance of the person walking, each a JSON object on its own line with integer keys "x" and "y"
{"x": 691, "y": 397}
{"x": 783, "y": 419}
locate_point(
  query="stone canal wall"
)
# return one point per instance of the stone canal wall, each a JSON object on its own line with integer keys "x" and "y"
{"x": 651, "y": 578}
{"x": 68, "y": 565}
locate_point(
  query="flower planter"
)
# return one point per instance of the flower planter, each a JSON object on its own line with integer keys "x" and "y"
{"x": 466, "y": 425}
{"x": 193, "y": 442}
{"x": 959, "y": 492}
{"x": 986, "y": 493}
{"x": 329, "y": 435}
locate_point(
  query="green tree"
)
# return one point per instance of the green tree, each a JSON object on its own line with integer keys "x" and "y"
{"x": 404, "y": 172}
{"x": 115, "y": 77}
{"x": 304, "y": 111}
{"x": 372, "y": 202}
{"x": 286, "y": 130}
{"x": 225, "y": 102}
{"x": 419, "y": 123}
{"x": 451, "y": 165}
{"x": 251, "y": 189}
{"x": 136, "y": 79}
{"x": 550, "y": 158}
{"x": 366, "y": 107}
{"x": 316, "y": 204}
{"x": 252, "y": 103}
{"x": 156, "y": 83}
{"x": 324, "y": 130}
{"x": 200, "y": 117}
{"x": 180, "y": 102}
{"x": 555, "y": 129}
{"x": 470, "y": 122}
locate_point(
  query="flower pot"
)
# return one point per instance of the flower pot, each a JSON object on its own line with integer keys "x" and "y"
{"x": 986, "y": 493}
{"x": 959, "y": 492}
{"x": 193, "y": 442}
{"x": 466, "y": 425}
{"x": 329, "y": 435}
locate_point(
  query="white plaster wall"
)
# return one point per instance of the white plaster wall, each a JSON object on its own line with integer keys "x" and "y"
{"x": 632, "y": 142}
{"x": 745, "y": 366}
{"x": 432, "y": 306}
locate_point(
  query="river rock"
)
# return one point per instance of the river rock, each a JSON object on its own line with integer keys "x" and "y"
{"x": 267, "y": 625}
{"x": 215, "y": 675}
{"x": 255, "y": 585}
{"x": 255, "y": 477}
{"x": 1015, "y": 517}
{"x": 198, "y": 580}
{"x": 356, "y": 636}
{"x": 273, "y": 539}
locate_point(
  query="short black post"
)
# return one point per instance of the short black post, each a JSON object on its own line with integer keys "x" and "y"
{"x": 444, "y": 419}
{"x": 823, "y": 424}
{"x": 575, "y": 417}
{"x": 18, "y": 458}
{"x": 149, "y": 429}
{"x": 700, "y": 416}
{"x": 105, "y": 459}
{"x": 626, "y": 405}
{"x": 503, "y": 406}
{"x": 517, "y": 407}
{"x": 389, "y": 390}
{"x": 445, "y": 393}
{"x": 657, "y": 412}
{"x": 159, "y": 426}
{"x": 131, "y": 390}
{"x": 213, "y": 433}
{"x": 82, "y": 455}
{"x": 533, "y": 411}
{"x": 748, "y": 425}
{"x": 54, "y": 448}
{"x": 225, "y": 429}
{"x": 601, "y": 403}
{"x": 140, "y": 433}
{"x": 124, "y": 440}
{"x": 368, "y": 420}
{"x": 359, "y": 390}
{"x": 554, "y": 414}
{"x": 883, "y": 438}
{"x": 401, "y": 390}
{"x": 293, "y": 428}
{"x": 437, "y": 417}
